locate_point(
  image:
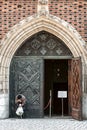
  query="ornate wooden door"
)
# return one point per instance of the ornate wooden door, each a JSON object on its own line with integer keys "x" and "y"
{"x": 75, "y": 93}
{"x": 26, "y": 78}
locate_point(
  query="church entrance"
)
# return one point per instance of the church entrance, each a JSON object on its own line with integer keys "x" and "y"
{"x": 56, "y": 80}
{"x": 42, "y": 65}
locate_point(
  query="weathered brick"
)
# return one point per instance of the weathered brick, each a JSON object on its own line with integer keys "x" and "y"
{"x": 72, "y": 11}
{"x": 13, "y": 11}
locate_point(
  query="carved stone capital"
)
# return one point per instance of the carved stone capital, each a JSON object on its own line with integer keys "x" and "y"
{"x": 43, "y": 2}
{"x": 42, "y": 7}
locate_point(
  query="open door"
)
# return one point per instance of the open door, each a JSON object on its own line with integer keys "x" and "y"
{"x": 75, "y": 92}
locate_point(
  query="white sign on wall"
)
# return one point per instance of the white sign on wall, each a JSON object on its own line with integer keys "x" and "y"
{"x": 62, "y": 94}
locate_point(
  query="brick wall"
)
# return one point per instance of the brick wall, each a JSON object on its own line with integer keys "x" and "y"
{"x": 13, "y": 11}
{"x": 72, "y": 11}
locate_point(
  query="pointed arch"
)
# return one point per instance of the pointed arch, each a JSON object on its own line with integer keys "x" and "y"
{"x": 28, "y": 27}
{"x": 32, "y": 25}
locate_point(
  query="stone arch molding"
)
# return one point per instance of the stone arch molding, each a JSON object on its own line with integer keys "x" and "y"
{"x": 29, "y": 26}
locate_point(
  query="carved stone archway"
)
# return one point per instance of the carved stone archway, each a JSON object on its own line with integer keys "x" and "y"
{"x": 23, "y": 30}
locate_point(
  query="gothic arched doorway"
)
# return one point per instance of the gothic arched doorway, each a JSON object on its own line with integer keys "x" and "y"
{"x": 33, "y": 73}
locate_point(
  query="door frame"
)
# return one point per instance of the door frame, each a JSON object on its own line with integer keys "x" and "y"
{"x": 42, "y": 84}
{"x": 70, "y": 109}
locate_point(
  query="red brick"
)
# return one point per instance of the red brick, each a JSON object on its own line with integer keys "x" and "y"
{"x": 72, "y": 11}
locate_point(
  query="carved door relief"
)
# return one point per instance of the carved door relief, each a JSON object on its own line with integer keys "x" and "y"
{"x": 27, "y": 81}
{"x": 75, "y": 92}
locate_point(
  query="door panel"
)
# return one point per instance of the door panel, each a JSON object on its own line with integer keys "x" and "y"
{"x": 76, "y": 94}
{"x": 27, "y": 77}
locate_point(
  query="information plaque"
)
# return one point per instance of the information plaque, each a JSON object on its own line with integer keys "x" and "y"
{"x": 62, "y": 94}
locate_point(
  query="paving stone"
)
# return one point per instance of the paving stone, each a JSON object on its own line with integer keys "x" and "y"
{"x": 42, "y": 124}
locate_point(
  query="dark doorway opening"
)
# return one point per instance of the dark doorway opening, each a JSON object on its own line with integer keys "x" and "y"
{"x": 56, "y": 79}
{"x": 57, "y": 102}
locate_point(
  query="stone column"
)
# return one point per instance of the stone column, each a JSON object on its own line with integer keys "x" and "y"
{"x": 4, "y": 105}
{"x": 4, "y": 93}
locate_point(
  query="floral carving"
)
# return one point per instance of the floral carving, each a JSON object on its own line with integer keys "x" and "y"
{"x": 35, "y": 44}
{"x": 51, "y": 44}
{"x": 43, "y": 44}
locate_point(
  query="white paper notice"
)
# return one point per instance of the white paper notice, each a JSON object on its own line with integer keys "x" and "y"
{"x": 62, "y": 94}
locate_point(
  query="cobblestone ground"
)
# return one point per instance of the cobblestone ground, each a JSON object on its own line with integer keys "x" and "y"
{"x": 42, "y": 124}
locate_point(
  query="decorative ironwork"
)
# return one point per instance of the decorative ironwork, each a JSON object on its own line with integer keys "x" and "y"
{"x": 35, "y": 44}
{"x": 43, "y": 51}
{"x": 27, "y": 81}
{"x": 59, "y": 51}
{"x": 43, "y": 37}
{"x": 43, "y": 44}
{"x": 51, "y": 44}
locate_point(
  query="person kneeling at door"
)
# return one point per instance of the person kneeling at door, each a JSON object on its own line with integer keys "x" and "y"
{"x": 20, "y": 102}
{"x": 20, "y": 99}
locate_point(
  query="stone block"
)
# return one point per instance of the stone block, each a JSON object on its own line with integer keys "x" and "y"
{"x": 4, "y": 106}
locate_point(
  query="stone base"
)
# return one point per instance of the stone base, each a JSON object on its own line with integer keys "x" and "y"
{"x": 84, "y": 108}
{"x": 4, "y": 106}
